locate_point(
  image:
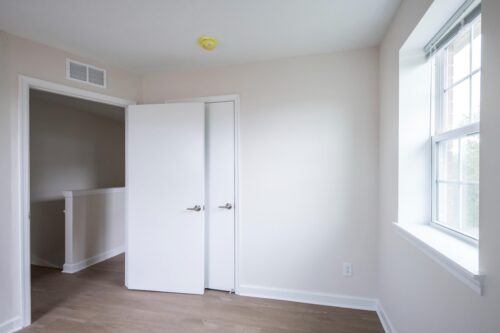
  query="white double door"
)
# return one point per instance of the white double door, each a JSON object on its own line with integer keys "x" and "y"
{"x": 180, "y": 197}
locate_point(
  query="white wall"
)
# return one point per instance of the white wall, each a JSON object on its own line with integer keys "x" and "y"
{"x": 95, "y": 226}
{"x": 19, "y": 56}
{"x": 418, "y": 294}
{"x": 308, "y": 166}
{"x": 72, "y": 148}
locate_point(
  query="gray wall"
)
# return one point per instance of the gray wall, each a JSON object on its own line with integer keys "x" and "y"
{"x": 74, "y": 145}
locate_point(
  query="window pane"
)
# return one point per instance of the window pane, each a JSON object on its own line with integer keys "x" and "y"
{"x": 457, "y": 106}
{"x": 458, "y": 184}
{"x": 470, "y": 158}
{"x": 448, "y": 160}
{"x": 476, "y": 44}
{"x": 470, "y": 210}
{"x": 458, "y": 59}
{"x": 476, "y": 97}
{"x": 449, "y": 205}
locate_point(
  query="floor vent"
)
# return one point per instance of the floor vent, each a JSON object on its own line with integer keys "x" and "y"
{"x": 84, "y": 73}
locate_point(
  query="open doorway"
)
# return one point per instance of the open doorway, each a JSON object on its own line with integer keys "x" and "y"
{"x": 77, "y": 182}
{"x": 73, "y": 186}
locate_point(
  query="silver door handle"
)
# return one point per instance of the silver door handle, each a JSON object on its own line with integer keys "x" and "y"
{"x": 196, "y": 208}
{"x": 227, "y": 206}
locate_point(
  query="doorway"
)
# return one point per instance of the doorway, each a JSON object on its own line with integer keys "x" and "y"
{"x": 77, "y": 169}
{"x": 27, "y": 87}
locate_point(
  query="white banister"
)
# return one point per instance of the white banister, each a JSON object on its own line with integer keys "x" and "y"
{"x": 94, "y": 226}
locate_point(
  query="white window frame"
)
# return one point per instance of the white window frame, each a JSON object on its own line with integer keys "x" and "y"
{"x": 439, "y": 136}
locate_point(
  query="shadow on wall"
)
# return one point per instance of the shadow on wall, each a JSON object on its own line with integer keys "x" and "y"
{"x": 47, "y": 218}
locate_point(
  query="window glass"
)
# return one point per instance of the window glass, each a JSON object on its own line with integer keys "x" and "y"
{"x": 458, "y": 59}
{"x": 456, "y": 112}
{"x": 470, "y": 210}
{"x": 469, "y": 155}
{"x": 449, "y": 205}
{"x": 458, "y": 184}
{"x": 476, "y": 45}
{"x": 457, "y": 84}
{"x": 449, "y": 163}
{"x": 476, "y": 97}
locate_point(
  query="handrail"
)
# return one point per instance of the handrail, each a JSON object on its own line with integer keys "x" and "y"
{"x": 79, "y": 193}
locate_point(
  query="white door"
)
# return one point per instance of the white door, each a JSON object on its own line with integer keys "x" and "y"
{"x": 165, "y": 193}
{"x": 220, "y": 218}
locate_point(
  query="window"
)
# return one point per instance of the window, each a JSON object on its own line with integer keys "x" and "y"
{"x": 456, "y": 138}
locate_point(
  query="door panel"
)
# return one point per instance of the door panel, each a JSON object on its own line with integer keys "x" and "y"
{"x": 165, "y": 176}
{"x": 220, "y": 164}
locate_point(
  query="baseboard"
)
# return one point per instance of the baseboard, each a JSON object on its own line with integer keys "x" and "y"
{"x": 11, "y": 325}
{"x": 384, "y": 319}
{"x": 343, "y": 301}
{"x": 73, "y": 268}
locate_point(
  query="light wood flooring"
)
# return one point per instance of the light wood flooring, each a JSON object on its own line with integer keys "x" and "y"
{"x": 95, "y": 300}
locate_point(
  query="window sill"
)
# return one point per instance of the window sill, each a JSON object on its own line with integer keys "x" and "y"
{"x": 456, "y": 256}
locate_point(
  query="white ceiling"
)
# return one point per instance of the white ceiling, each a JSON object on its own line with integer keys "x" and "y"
{"x": 144, "y": 35}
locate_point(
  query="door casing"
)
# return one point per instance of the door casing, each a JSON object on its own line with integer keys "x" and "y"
{"x": 23, "y": 200}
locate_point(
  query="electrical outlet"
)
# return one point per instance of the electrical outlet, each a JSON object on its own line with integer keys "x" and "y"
{"x": 347, "y": 269}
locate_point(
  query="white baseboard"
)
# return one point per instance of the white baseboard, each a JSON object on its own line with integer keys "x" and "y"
{"x": 343, "y": 301}
{"x": 11, "y": 325}
{"x": 384, "y": 319}
{"x": 73, "y": 268}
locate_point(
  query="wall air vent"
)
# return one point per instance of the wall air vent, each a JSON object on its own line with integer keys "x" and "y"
{"x": 84, "y": 73}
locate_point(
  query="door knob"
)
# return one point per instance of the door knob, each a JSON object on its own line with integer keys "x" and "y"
{"x": 196, "y": 208}
{"x": 227, "y": 206}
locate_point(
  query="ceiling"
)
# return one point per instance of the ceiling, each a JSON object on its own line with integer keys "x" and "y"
{"x": 99, "y": 109}
{"x": 146, "y": 35}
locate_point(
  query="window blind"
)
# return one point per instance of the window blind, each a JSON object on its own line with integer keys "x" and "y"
{"x": 463, "y": 16}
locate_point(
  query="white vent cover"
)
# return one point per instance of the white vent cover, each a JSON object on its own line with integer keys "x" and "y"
{"x": 89, "y": 74}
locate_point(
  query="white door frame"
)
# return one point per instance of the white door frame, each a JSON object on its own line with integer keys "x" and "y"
{"x": 25, "y": 84}
{"x": 237, "y": 197}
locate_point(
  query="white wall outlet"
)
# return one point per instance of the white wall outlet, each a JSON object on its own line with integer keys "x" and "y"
{"x": 347, "y": 269}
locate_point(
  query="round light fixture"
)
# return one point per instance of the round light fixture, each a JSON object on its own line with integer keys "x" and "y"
{"x": 208, "y": 43}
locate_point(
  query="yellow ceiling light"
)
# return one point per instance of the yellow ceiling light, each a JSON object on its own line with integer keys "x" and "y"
{"x": 208, "y": 43}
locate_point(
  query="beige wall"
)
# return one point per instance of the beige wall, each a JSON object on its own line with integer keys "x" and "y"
{"x": 308, "y": 166}
{"x": 417, "y": 293}
{"x": 9, "y": 277}
{"x": 308, "y": 139}
{"x": 72, "y": 148}
{"x": 22, "y": 57}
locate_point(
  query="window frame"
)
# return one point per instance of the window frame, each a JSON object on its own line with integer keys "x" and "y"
{"x": 438, "y": 91}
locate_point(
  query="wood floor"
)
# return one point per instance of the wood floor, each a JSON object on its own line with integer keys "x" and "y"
{"x": 95, "y": 300}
